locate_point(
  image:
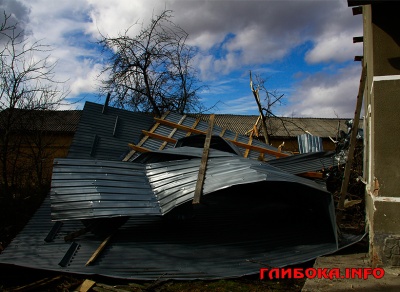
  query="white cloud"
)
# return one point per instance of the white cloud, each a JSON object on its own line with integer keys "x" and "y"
{"x": 86, "y": 78}
{"x": 326, "y": 95}
{"x": 337, "y": 48}
{"x": 252, "y": 34}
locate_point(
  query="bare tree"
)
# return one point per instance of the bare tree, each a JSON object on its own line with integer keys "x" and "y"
{"x": 265, "y": 107}
{"x": 27, "y": 84}
{"x": 152, "y": 71}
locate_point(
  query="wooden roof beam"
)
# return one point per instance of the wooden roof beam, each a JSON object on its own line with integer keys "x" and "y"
{"x": 239, "y": 144}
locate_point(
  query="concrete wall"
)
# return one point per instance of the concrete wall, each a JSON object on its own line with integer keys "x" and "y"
{"x": 382, "y": 131}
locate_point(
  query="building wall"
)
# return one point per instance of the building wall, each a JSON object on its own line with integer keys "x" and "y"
{"x": 382, "y": 125}
{"x": 292, "y": 145}
{"x": 30, "y": 160}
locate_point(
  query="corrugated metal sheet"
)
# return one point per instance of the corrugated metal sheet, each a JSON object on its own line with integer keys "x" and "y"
{"x": 309, "y": 143}
{"x": 306, "y": 162}
{"x": 94, "y": 189}
{"x": 105, "y": 135}
{"x": 228, "y": 236}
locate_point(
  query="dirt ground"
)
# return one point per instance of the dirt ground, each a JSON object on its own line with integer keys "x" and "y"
{"x": 21, "y": 279}
{"x": 389, "y": 282}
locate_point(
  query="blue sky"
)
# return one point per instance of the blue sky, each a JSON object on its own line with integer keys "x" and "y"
{"x": 302, "y": 48}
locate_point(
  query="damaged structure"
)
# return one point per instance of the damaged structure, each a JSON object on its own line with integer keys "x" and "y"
{"x": 180, "y": 198}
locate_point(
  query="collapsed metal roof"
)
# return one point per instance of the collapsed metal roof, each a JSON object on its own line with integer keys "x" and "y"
{"x": 255, "y": 211}
{"x": 93, "y": 189}
{"x": 232, "y": 238}
{"x": 104, "y": 132}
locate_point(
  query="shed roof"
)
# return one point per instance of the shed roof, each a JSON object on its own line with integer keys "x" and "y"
{"x": 42, "y": 120}
{"x": 280, "y": 126}
{"x": 67, "y": 121}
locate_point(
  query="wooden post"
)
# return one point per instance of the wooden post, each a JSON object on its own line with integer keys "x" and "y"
{"x": 353, "y": 137}
{"x": 202, "y": 171}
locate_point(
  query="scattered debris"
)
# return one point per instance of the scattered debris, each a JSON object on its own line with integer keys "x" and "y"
{"x": 255, "y": 205}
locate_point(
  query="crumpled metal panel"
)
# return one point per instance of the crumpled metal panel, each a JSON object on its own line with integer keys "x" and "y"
{"x": 233, "y": 233}
{"x": 305, "y": 162}
{"x": 252, "y": 215}
{"x": 83, "y": 189}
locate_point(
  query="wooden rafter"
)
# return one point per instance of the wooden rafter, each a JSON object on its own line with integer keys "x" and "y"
{"x": 197, "y": 131}
{"x": 138, "y": 148}
{"x": 248, "y": 146}
{"x": 259, "y": 149}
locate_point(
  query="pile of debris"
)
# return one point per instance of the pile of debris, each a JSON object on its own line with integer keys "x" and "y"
{"x": 188, "y": 200}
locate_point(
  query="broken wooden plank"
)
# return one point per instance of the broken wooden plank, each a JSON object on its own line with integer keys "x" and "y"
{"x": 281, "y": 146}
{"x": 86, "y": 285}
{"x": 202, "y": 171}
{"x": 353, "y": 138}
{"x": 98, "y": 250}
{"x": 246, "y": 153}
